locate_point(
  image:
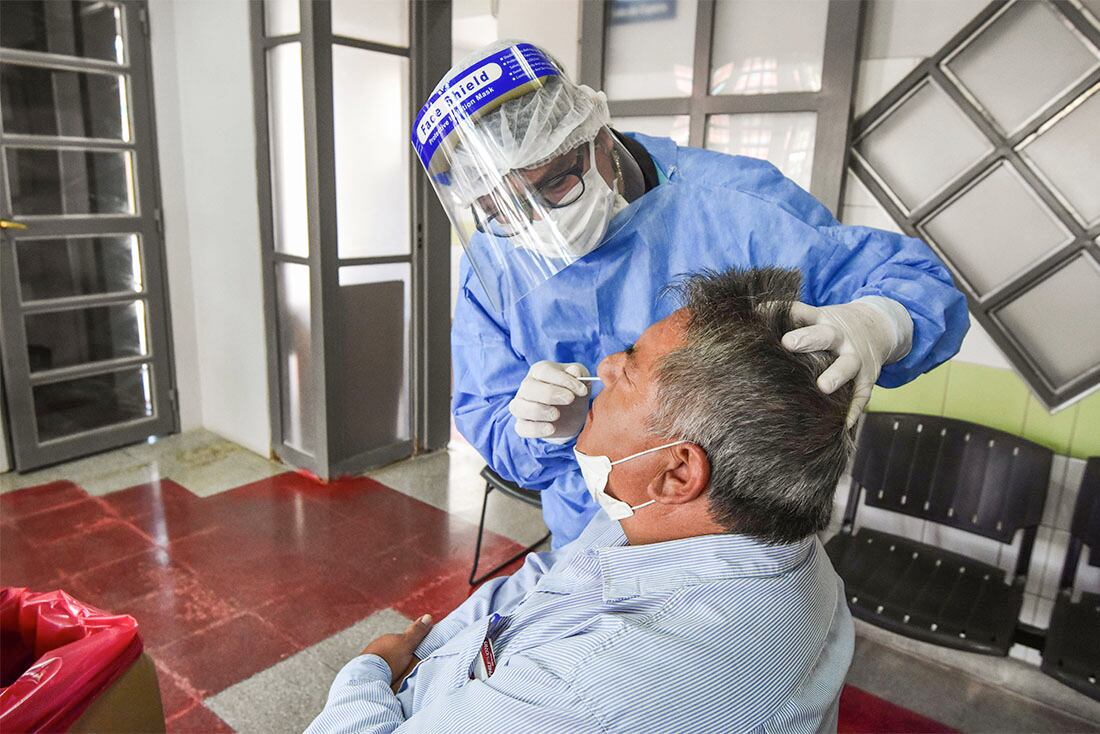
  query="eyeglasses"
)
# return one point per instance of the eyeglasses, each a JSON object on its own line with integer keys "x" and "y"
{"x": 507, "y": 214}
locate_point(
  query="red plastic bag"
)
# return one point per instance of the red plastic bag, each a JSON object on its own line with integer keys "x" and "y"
{"x": 56, "y": 656}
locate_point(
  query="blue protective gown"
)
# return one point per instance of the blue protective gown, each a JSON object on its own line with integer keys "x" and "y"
{"x": 711, "y": 211}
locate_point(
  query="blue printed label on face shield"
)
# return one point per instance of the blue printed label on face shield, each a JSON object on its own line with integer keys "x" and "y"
{"x": 473, "y": 88}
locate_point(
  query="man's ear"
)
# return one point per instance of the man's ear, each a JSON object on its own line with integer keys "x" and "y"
{"x": 686, "y": 475}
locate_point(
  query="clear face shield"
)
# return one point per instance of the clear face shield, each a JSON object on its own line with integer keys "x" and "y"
{"x": 525, "y": 166}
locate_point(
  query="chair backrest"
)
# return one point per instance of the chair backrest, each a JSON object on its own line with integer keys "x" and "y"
{"x": 1086, "y": 513}
{"x": 1085, "y": 527}
{"x": 952, "y": 472}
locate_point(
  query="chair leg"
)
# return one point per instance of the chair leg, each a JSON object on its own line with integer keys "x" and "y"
{"x": 480, "y": 533}
{"x": 474, "y": 578}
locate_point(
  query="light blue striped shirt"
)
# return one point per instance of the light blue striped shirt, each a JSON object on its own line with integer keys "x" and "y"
{"x": 717, "y": 633}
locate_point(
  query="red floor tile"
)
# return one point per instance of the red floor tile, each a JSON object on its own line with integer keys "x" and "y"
{"x": 198, "y": 720}
{"x": 277, "y": 506}
{"x": 113, "y": 584}
{"x": 176, "y": 611}
{"x": 145, "y": 499}
{"x": 64, "y": 521}
{"x": 107, "y": 541}
{"x": 253, "y": 570}
{"x": 333, "y": 606}
{"x": 163, "y": 510}
{"x": 438, "y": 598}
{"x": 175, "y": 695}
{"x": 24, "y": 502}
{"x": 358, "y": 496}
{"x": 22, "y": 565}
{"x": 227, "y": 653}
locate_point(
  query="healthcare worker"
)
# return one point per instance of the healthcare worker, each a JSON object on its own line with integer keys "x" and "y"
{"x": 571, "y": 230}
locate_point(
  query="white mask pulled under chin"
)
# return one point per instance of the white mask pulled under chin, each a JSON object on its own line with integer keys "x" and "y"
{"x": 575, "y": 230}
{"x": 597, "y": 469}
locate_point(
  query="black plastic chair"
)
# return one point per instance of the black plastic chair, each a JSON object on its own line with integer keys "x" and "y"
{"x": 510, "y": 489}
{"x": 1072, "y": 652}
{"x": 954, "y": 473}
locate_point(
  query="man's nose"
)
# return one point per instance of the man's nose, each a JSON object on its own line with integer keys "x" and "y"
{"x": 609, "y": 369}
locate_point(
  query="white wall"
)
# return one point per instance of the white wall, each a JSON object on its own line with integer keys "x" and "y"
{"x": 552, "y": 24}
{"x": 203, "y": 80}
{"x": 898, "y": 35}
{"x": 181, "y": 294}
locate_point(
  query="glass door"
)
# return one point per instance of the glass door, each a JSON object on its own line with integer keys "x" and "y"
{"x": 84, "y": 335}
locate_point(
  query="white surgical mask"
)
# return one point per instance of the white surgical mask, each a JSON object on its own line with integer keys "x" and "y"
{"x": 583, "y": 223}
{"x": 597, "y": 469}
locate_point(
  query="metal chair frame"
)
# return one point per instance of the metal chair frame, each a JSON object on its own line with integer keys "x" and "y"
{"x": 494, "y": 481}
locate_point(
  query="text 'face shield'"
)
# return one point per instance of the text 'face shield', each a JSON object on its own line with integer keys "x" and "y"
{"x": 514, "y": 152}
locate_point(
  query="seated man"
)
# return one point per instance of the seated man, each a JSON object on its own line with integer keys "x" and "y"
{"x": 700, "y": 600}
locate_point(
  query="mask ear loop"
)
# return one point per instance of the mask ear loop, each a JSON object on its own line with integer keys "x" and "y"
{"x": 648, "y": 451}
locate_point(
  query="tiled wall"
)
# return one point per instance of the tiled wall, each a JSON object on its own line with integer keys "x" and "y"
{"x": 998, "y": 398}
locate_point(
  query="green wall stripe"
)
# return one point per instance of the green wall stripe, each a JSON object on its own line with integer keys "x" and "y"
{"x": 996, "y": 397}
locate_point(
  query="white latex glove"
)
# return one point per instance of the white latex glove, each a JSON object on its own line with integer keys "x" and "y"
{"x": 551, "y": 403}
{"x": 865, "y": 334}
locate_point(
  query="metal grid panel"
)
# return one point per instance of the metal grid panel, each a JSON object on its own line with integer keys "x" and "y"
{"x": 832, "y": 104}
{"x": 144, "y": 222}
{"x": 1007, "y": 150}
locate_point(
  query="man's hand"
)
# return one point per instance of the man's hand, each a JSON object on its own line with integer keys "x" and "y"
{"x": 864, "y": 334}
{"x": 397, "y": 649}
{"x": 396, "y": 685}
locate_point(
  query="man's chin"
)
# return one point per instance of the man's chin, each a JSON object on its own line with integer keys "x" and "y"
{"x": 584, "y": 430}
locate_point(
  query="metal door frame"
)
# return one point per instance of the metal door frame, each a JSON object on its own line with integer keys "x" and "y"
{"x": 429, "y": 255}
{"x": 147, "y": 223}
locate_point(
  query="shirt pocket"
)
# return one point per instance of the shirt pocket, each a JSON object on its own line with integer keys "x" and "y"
{"x": 460, "y": 654}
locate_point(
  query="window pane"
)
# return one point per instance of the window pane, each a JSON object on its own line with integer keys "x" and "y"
{"x": 384, "y": 21}
{"x": 82, "y": 335}
{"x": 649, "y": 49}
{"x": 1056, "y": 321}
{"x": 44, "y": 182}
{"x": 370, "y": 103}
{"x": 1068, "y": 156}
{"x": 922, "y": 145}
{"x": 295, "y": 349}
{"x": 74, "y": 406}
{"x": 281, "y": 17}
{"x": 676, "y": 127}
{"x": 1021, "y": 62}
{"x": 372, "y": 379}
{"x": 78, "y": 266}
{"x": 40, "y": 101}
{"x": 286, "y": 123}
{"x": 764, "y": 46}
{"x": 995, "y": 229}
{"x": 785, "y": 139}
{"x": 91, "y": 29}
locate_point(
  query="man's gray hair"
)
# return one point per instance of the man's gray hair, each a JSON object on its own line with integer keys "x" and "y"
{"x": 777, "y": 445}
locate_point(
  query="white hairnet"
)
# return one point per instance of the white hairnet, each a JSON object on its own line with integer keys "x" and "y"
{"x": 523, "y": 131}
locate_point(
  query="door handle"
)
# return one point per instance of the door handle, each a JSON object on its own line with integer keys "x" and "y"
{"x": 9, "y": 224}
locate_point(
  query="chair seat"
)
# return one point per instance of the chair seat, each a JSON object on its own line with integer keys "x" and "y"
{"x": 1072, "y": 652}
{"x": 927, "y": 593}
{"x": 530, "y": 496}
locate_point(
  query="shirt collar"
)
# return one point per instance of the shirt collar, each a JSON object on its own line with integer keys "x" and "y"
{"x": 629, "y": 571}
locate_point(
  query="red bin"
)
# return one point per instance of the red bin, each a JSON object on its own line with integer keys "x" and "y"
{"x": 57, "y": 656}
